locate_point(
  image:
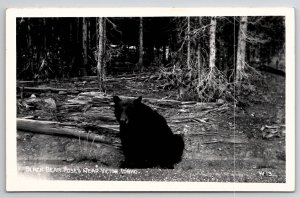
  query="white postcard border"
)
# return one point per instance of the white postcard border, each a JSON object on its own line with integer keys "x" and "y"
{"x": 15, "y": 182}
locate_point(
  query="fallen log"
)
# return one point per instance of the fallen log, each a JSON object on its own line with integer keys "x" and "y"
{"x": 97, "y": 116}
{"x": 271, "y": 70}
{"x": 43, "y": 89}
{"x": 30, "y": 83}
{"x": 56, "y": 128}
{"x": 101, "y": 98}
{"x": 110, "y": 79}
{"x": 55, "y": 90}
{"x": 83, "y": 78}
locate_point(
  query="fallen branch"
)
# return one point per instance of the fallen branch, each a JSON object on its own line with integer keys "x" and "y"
{"x": 110, "y": 79}
{"x": 185, "y": 118}
{"x": 55, "y": 128}
{"x": 202, "y": 133}
{"x": 42, "y": 89}
{"x": 54, "y": 90}
{"x": 200, "y": 120}
{"x": 101, "y": 98}
{"x": 105, "y": 98}
{"x": 213, "y": 142}
{"x": 30, "y": 83}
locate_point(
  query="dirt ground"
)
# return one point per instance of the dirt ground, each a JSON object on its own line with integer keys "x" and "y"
{"x": 222, "y": 144}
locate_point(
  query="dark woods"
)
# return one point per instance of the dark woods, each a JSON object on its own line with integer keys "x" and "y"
{"x": 67, "y": 47}
{"x": 201, "y": 56}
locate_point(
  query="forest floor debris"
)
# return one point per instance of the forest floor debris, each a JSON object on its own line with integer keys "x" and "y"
{"x": 223, "y": 143}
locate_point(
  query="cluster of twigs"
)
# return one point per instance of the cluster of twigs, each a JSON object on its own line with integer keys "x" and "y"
{"x": 245, "y": 84}
{"x": 213, "y": 85}
{"x": 209, "y": 85}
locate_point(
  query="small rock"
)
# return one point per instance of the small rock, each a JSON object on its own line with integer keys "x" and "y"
{"x": 62, "y": 92}
{"x": 50, "y": 103}
{"x": 221, "y": 101}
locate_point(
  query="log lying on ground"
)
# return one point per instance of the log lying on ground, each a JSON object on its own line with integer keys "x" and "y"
{"x": 42, "y": 89}
{"x": 101, "y": 98}
{"x": 54, "y": 90}
{"x": 56, "y": 128}
{"x": 198, "y": 117}
{"x": 105, "y": 98}
{"x": 112, "y": 130}
{"x": 90, "y": 102}
{"x": 21, "y": 83}
{"x": 271, "y": 70}
{"x": 108, "y": 79}
{"x": 96, "y": 116}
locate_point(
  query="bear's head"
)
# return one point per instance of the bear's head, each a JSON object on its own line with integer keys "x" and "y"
{"x": 126, "y": 110}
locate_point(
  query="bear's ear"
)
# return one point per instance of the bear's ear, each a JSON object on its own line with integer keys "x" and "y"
{"x": 138, "y": 100}
{"x": 116, "y": 99}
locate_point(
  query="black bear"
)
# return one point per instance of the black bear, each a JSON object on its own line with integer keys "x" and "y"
{"x": 147, "y": 140}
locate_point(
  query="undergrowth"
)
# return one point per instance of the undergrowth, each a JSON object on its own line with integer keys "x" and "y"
{"x": 209, "y": 85}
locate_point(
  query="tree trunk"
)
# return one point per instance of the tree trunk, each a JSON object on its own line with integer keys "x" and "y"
{"x": 45, "y": 37}
{"x": 88, "y": 42}
{"x": 212, "y": 43}
{"x": 53, "y": 36}
{"x": 151, "y": 53}
{"x": 77, "y": 29}
{"x": 188, "y": 60}
{"x": 71, "y": 35}
{"x": 29, "y": 45}
{"x": 241, "y": 50}
{"x": 104, "y": 49}
{"x": 61, "y": 129}
{"x": 199, "y": 54}
{"x": 164, "y": 55}
{"x": 140, "y": 63}
{"x": 84, "y": 41}
{"x": 100, "y": 55}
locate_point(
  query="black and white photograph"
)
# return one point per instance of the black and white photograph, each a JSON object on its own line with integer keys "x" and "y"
{"x": 193, "y": 101}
